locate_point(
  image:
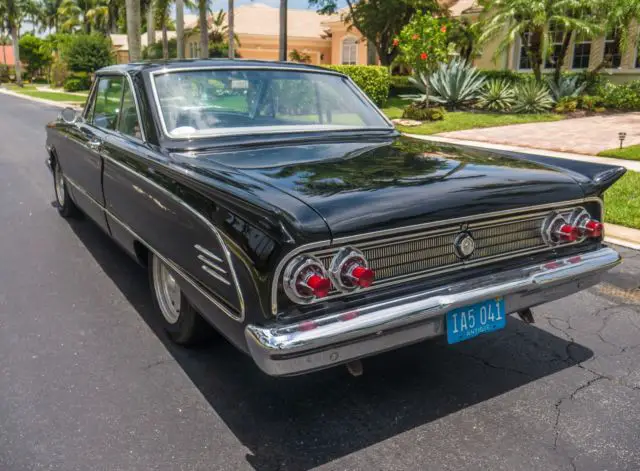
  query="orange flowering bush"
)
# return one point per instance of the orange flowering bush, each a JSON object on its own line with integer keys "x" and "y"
{"x": 423, "y": 44}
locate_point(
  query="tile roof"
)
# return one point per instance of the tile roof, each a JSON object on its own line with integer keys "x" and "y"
{"x": 261, "y": 19}
{"x": 6, "y": 52}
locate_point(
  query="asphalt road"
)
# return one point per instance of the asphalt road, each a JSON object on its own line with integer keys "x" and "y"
{"x": 89, "y": 382}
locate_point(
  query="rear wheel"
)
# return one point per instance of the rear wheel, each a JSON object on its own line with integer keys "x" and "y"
{"x": 66, "y": 207}
{"x": 183, "y": 324}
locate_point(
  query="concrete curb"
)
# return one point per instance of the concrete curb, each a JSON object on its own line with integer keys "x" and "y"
{"x": 57, "y": 104}
{"x": 629, "y": 164}
{"x": 623, "y": 236}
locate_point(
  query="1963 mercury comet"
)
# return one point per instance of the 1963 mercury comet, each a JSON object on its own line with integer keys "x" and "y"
{"x": 276, "y": 203}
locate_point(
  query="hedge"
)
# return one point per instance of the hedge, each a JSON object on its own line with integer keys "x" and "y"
{"x": 77, "y": 82}
{"x": 4, "y": 73}
{"x": 400, "y": 85}
{"x": 374, "y": 80}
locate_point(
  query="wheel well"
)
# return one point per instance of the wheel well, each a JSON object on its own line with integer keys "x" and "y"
{"x": 142, "y": 253}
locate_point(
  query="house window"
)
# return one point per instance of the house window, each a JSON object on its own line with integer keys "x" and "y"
{"x": 523, "y": 59}
{"x": 612, "y": 54}
{"x": 581, "y": 54}
{"x": 349, "y": 51}
{"x": 556, "y": 35}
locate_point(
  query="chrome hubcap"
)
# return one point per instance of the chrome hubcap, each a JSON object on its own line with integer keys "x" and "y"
{"x": 59, "y": 184}
{"x": 167, "y": 291}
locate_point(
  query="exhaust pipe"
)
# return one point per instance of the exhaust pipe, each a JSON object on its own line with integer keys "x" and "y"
{"x": 527, "y": 316}
{"x": 355, "y": 368}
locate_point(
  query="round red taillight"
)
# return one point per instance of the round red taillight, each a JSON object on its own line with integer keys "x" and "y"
{"x": 319, "y": 285}
{"x": 593, "y": 228}
{"x": 567, "y": 233}
{"x": 350, "y": 270}
{"x": 305, "y": 280}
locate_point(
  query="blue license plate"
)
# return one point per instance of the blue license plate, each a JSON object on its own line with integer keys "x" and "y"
{"x": 470, "y": 321}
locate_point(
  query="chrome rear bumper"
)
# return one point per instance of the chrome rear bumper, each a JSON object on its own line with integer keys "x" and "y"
{"x": 282, "y": 350}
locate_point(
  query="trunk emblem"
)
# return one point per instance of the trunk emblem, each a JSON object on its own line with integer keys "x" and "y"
{"x": 464, "y": 245}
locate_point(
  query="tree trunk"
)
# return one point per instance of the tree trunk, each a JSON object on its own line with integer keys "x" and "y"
{"x": 557, "y": 73}
{"x": 165, "y": 41}
{"x": 231, "y": 20}
{"x": 283, "y": 31}
{"x": 133, "y": 29}
{"x": 534, "y": 52}
{"x": 180, "y": 28}
{"x": 16, "y": 54}
{"x": 204, "y": 29}
{"x": 151, "y": 25}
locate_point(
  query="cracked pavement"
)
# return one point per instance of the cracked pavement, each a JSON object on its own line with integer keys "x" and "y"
{"x": 89, "y": 382}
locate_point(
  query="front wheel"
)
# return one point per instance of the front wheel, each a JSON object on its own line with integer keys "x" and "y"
{"x": 183, "y": 324}
{"x": 66, "y": 207}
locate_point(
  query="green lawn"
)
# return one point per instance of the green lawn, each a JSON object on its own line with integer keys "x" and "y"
{"x": 30, "y": 90}
{"x": 460, "y": 120}
{"x": 622, "y": 201}
{"x": 628, "y": 153}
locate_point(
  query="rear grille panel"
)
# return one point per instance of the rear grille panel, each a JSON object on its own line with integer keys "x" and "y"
{"x": 400, "y": 258}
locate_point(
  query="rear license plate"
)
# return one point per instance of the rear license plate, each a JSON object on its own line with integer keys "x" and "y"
{"x": 470, "y": 321}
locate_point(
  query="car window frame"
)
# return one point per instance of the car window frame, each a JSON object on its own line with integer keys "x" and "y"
{"x": 90, "y": 106}
{"x": 242, "y": 131}
{"x": 93, "y": 111}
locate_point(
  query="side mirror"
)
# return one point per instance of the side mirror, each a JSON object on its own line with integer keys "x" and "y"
{"x": 69, "y": 116}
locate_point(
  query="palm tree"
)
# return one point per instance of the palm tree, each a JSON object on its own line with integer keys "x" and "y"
{"x": 232, "y": 35}
{"x": 133, "y": 29}
{"x": 619, "y": 17}
{"x": 33, "y": 13}
{"x": 180, "y": 28}
{"x": 98, "y": 16}
{"x": 283, "y": 30}
{"x": 203, "y": 11}
{"x": 529, "y": 21}
{"x": 11, "y": 14}
{"x": 50, "y": 14}
{"x": 162, "y": 11}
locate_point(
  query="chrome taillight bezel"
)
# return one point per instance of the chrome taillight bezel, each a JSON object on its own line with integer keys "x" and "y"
{"x": 344, "y": 257}
{"x": 294, "y": 270}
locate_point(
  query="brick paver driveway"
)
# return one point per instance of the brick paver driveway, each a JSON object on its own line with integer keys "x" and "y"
{"x": 581, "y": 135}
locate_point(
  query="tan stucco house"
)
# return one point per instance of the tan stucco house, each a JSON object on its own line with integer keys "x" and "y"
{"x": 582, "y": 53}
{"x": 326, "y": 39}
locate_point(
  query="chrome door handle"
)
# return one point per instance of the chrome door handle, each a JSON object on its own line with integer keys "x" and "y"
{"x": 95, "y": 144}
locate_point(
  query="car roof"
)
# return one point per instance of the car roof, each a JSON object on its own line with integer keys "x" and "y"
{"x": 150, "y": 66}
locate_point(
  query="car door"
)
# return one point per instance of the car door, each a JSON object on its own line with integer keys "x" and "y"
{"x": 83, "y": 161}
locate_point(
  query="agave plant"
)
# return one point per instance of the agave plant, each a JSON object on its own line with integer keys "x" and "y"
{"x": 532, "y": 97}
{"x": 456, "y": 84}
{"x": 498, "y": 95}
{"x": 566, "y": 87}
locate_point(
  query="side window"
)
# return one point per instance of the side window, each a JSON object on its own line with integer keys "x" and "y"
{"x": 107, "y": 105}
{"x": 129, "y": 123}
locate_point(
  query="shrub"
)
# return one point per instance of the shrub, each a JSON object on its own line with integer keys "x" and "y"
{"x": 566, "y": 104}
{"x": 507, "y": 75}
{"x": 77, "y": 82}
{"x": 154, "y": 51}
{"x": 58, "y": 73}
{"x": 420, "y": 112}
{"x": 4, "y": 73}
{"x": 87, "y": 52}
{"x": 400, "y": 85}
{"x": 456, "y": 84}
{"x": 532, "y": 97}
{"x": 372, "y": 79}
{"x": 498, "y": 95}
{"x": 622, "y": 97}
{"x": 566, "y": 87}
{"x": 590, "y": 103}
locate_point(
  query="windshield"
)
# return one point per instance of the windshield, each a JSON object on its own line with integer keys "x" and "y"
{"x": 221, "y": 102}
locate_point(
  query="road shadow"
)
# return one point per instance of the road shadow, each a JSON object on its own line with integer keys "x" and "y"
{"x": 306, "y": 421}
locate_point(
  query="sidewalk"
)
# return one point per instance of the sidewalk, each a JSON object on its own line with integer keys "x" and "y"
{"x": 59, "y": 104}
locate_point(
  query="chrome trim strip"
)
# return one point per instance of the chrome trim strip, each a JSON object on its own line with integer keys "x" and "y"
{"x": 83, "y": 192}
{"x": 289, "y": 349}
{"x": 227, "y": 132}
{"x": 204, "y": 220}
{"x": 177, "y": 269}
{"x": 209, "y": 254}
{"x": 220, "y": 278}
{"x": 208, "y": 262}
{"x": 330, "y": 245}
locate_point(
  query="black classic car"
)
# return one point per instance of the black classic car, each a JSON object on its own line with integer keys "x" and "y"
{"x": 276, "y": 203}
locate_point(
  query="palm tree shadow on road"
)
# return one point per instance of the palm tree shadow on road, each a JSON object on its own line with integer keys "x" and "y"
{"x": 306, "y": 421}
